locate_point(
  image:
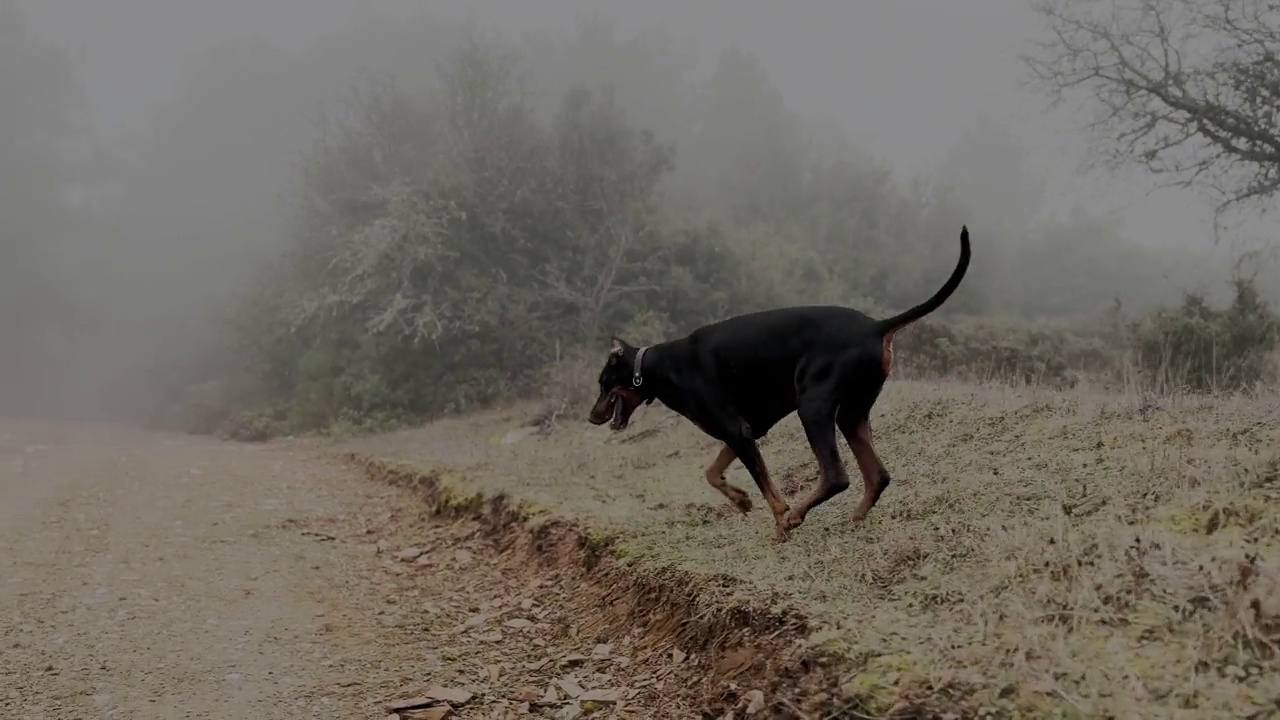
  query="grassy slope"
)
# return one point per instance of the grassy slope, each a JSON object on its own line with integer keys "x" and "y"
{"x": 1066, "y": 550}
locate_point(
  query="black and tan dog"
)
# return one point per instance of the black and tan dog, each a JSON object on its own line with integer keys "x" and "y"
{"x": 735, "y": 379}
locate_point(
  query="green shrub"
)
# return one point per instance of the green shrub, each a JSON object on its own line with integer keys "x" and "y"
{"x": 1005, "y": 351}
{"x": 1200, "y": 348}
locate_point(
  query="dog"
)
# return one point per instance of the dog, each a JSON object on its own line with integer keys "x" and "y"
{"x": 736, "y": 378}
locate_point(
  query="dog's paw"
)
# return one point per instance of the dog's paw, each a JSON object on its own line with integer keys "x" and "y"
{"x": 787, "y": 522}
{"x": 792, "y": 519}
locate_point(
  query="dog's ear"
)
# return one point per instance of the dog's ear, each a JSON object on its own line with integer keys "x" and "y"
{"x": 616, "y": 346}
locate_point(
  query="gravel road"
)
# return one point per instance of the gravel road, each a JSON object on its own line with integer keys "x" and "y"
{"x": 160, "y": 576}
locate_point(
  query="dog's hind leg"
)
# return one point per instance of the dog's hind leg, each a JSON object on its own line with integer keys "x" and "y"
{"x": 818, "y": 419}
{"x": 715, "y": 476}
{"x": 856, "y": 429}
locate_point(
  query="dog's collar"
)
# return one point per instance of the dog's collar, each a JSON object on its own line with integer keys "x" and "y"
{"x": 636, "y": 378}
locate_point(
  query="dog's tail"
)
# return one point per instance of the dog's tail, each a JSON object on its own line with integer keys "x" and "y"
{"x": 891, "y": 325}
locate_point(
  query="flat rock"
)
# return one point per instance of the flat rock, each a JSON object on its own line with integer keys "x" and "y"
{"x": 440, "y": 712}
{"x": 395, "y": 706}
{"x": 570, "y": 688}
{"x": 609, "y": 695}
{"x": 453, "y": 696}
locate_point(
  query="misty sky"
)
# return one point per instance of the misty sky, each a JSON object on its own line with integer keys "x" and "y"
{"x": 904, "y": 77}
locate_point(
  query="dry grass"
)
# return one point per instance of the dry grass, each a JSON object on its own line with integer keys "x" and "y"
{"x": 1071, "y": 553}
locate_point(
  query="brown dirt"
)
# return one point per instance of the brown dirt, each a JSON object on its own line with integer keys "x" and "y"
{"x": 690, "y": 639}
{"x": 1039, "y": 554}
{"x": 155, "y": 576}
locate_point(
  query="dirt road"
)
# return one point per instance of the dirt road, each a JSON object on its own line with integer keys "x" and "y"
{"x": 155, "y": 576}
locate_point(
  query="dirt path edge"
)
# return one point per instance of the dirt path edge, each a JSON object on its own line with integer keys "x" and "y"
{"x": 726, "y": 657}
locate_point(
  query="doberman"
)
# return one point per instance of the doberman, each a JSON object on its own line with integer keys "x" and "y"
{"x": 736, "y": 378}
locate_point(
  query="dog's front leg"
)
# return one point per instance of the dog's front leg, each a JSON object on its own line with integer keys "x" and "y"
{"x": 715, "y": 476}
{"x": 749, "y": 453}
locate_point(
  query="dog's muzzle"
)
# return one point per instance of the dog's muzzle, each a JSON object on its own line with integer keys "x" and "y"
{"x": 615, "y": 408}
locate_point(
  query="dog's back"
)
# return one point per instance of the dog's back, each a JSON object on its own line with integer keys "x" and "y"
{"x": 755, "y": 359}
{"x": 776, "y": 340}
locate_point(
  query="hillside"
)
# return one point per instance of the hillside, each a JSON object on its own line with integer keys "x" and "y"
{"x": 1092, "y": 554}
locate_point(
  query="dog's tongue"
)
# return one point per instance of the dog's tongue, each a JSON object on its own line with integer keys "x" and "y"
{"x": 617, "y": 412}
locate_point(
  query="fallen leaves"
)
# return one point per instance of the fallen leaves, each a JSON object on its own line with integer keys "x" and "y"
{"x": 437, "y": 703}
{"x": 504, "y": 653}
{"x": 736, "y": 662}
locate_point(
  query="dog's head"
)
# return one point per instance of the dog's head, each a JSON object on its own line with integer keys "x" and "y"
{"x": 618, "y": 397}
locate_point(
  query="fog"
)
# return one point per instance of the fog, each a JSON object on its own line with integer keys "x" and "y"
{"x": 173, "y": 181}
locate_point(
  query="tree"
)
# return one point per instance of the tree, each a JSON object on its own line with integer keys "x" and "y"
{"x": 608, "y": 177}
{"x": 749, "y": 147}
{"x": 1189, "y": 89}
{"x": 650, "y": 71}
{"x": 41, "y": 140}
{"x": 988, "y": 169}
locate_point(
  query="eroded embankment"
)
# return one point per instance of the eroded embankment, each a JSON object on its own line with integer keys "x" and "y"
{"x": 734, "y": 658}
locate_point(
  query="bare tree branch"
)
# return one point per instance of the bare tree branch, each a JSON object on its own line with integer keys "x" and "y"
{"x": 1188, "y": 89}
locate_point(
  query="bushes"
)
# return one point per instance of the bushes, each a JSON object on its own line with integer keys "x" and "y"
{"x": 1199, "y": 348}
{"x": 1193, "y": 348}
{"x": 1009, "y": 351}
